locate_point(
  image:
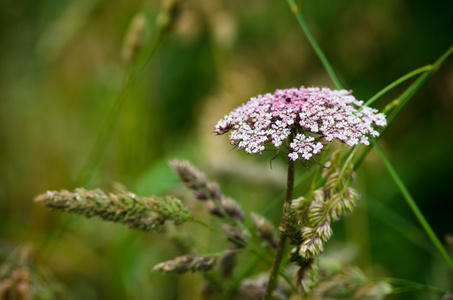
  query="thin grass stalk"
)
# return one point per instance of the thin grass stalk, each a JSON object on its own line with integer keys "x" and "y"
{"x": 316, "y": 176}
{"x": 404, "y": 99}
{"x": 277, "y": 200}
{"x": 106, "y": 132}
{"x": 296, "y": 10}
{"x": 299, "y": 181}
{"x": 413, "y": 206}
{"x": 411, "y": 285}
{"x": 398, "y": 223}
{"x": 410, "y": 92}
{"x": 246, "y": 272}
{"x": 104, "y": 135}
{"x": 401, "y": 102}
{"x": 397, "y": 82}
{"x": 247, "y": 247}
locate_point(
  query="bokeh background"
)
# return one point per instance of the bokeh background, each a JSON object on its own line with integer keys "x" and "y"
{"x": 62, "y": 71}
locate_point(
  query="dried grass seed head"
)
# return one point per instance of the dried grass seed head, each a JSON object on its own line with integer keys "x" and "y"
{"x": 186, "y": 263}
{"x": 208, "y": 191}
{"x": 147, "y": 213}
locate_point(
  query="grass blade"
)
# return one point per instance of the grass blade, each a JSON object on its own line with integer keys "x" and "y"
{"x": 397, "y": 82}
{"x": 413, "y": 206}
{"x": 296, "y": 10}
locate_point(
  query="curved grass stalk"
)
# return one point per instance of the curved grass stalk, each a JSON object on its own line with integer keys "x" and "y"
{"x": 246, "y": 272}
{"x": 247, "y": 247}
{"x": 403, "y": 99}
{"x": 413, "y": 206}
{"x": 217, "y": 254}
{"x": 100, "y": 144}
{"x": 397, "y": 82}
{"x": 300, "y": 179}
{"x": 296, "y": 10}
{"x": 398, "y": 223}
{"x": 411, "y": 285}
{"x": 400, "y": 103}
{"x": 407, "y": 95}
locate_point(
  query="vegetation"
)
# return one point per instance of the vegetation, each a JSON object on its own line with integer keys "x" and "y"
{"x": 94, "y": 94}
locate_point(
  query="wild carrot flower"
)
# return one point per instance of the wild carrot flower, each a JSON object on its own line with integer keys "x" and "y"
{"x": 325, "y": 113}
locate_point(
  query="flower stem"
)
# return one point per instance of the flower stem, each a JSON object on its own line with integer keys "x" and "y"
{"x": 410, "y": 201}
{"x": 282, "y": 241}
{"x": 296, "y": 10}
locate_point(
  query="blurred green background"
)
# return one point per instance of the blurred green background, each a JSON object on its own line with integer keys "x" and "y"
{"x": 61, "y": 71}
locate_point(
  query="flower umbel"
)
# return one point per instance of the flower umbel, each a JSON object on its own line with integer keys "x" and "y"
{"x": 271, "y": 118}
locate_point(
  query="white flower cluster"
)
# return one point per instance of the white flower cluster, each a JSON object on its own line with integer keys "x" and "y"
{"x": 328, "y": 114}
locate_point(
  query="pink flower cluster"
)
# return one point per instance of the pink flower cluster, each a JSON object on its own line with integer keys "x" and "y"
{"x": 326, "y": 113}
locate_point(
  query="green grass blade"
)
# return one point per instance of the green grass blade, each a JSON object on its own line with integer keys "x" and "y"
{"x": 101, "y": 142}
{"x": 407, "y": 95}
{"x": 397, "y": 82}
{"x": 248, "y": 247}
{"x": 413, "y": 206}
{"x": 398, "y": 223}
{"x": 408, "y": 285}
{"x": 404, "y": 99}
{"x": 296, "y": 10}
{"x": 99, "y": 146}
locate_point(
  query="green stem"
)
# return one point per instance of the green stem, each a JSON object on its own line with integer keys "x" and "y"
{"x": 282, "y": 241}
{"x": 246, "y": 272}
{"x": 99, "y": 146}
{"x": 296, "y": 10}
{"x": 217, "y": 254}
{"x": 411, "y": 285}
{"x": 278, "y": 198}
{"x": 407, "y": 95}
{"x": 300, "y": 179}
{"x": 397, "y": 82}
{"x": 404, "y": 99}
{"x": 316, "y": 179}
{"x": 410, "y": 201}
{"x": 348, "y": 159}
{"x": 239, "y": 242}
{"x": 398, "y": 223}
{"x": 247, "y": 247}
